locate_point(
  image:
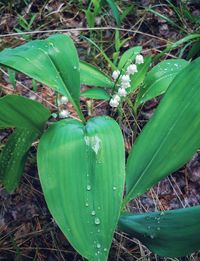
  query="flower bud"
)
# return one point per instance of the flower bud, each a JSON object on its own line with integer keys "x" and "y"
{"x": 122, "y": 92}
{"x": 63, "y": 100}
{"x": 114, "y": 103}
{"x": 139, "y": 59}
{"x": 64, "y": 114}
{"x": 115, "y": 74}
{"x": 132, "y": 68}
{"x": 125, "y": 85}
{"x": 125, "y": 79}
{"x": 116, "y": 97}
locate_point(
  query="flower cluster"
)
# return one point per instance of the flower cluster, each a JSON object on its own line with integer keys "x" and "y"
{"x": 124, "y": 81}
{"x": 63, "y": 100}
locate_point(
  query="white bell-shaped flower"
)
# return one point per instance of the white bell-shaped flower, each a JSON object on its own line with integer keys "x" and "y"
{"x": 139, "y": 59}
{"x": 114, "y": 103}
{"x": 115, "y": 74}
{"x": 63, "y": 100}
{"x": 116, "y": 97}
{"x": 64, "y": 114}
{"x": 132, "y": 68}
{"x": 125, "y": 85}
{"x": 122, "y": 92}
{"x": 125, "y": 79}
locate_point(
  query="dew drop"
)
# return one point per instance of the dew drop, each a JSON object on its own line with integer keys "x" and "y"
{"x": 75, "y": 67}
{"x": 162, "y": 213}
{"x": 88, "y": 187}
{"x": 86, "y": 204}
{"x": 93, "y": 213}
{"x": 149, "y": 227}
{"x": 105, "y": 249}
{"x": 158, "y": 228}
{"x": 114, "y": 188}
{"x": 97, "y": 221}
{"x": 152, "y": 236}
{"x": 98, "y": 245}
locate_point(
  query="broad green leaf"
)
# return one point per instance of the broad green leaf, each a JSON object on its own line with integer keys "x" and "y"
{"x": 173, "y": 233}
{"x": 128, "y": 57}
{"x": 82, "y": 188}
{"x": 159, "y": 78}
{"x": 20, "y": 112}
{"x": 170, "y": 138}
{"x": 138, "y": 78}
{"x": 14, "y": 155}
{"x": 28, "y": 118}
{"x": 92, "y": 76}
{"x": 96, "y": 93}
{"x": 53, "y": 61}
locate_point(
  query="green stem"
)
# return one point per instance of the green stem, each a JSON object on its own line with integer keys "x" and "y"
{"x": 79, "y": 112}
{"x": 134, "y": 110}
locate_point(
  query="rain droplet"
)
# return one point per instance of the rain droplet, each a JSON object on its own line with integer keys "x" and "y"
{"x": 75, "y": 67}
{"x": 105, "y": 249}
{"x": 86, "y": 204}
{"x": 114, "y": 188}
{"x": 88, "y": 187}
{"x": 97, "y": 221}
{"x": 98, "y": 245}
{"x": 93, "y": 213}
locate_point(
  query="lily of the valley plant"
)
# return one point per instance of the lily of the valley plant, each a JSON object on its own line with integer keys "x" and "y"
{"x": 82, "y": 165}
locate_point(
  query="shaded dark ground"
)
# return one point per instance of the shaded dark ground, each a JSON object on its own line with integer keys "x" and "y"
{"x": 27, "y": 230}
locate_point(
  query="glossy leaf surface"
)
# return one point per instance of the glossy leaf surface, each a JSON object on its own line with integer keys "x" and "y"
{"x": 170, "y": 138}
{"x": 172, "y": 233}
{"x": 83, "y": 189}
{"x": 159, "y": 79}
{"x": 96, "y": 93}
{"x": 53, "y": 61}
{"x": 92, "y": 76}
{"x": 28, "y": 117}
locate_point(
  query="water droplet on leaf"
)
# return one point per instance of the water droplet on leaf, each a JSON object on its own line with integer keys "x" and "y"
{"x": 88, "y": 187}
{"x": 93, "y": 213}
{"x": 97, "y": 221}
{"x": 98, "y": 245}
